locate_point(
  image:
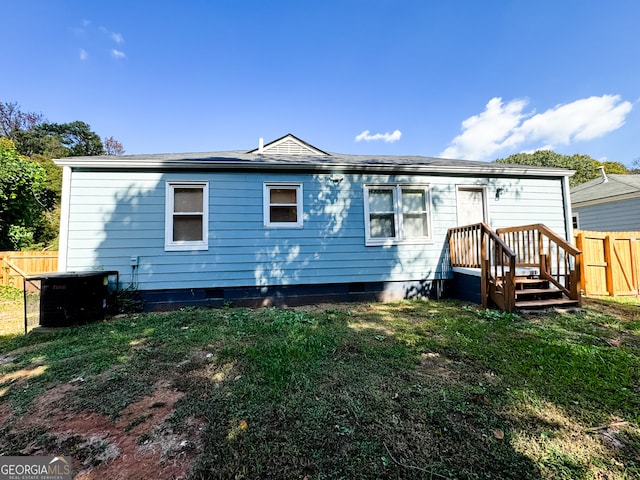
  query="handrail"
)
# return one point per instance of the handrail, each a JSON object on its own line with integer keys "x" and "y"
{"x": 538, "y": 246}
{"x": 547, "y": 231}
{"x": 478, "y": 246}
{"x": 498, "y": 254}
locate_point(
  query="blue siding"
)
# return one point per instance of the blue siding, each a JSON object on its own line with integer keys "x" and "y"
{"x": 620, "y": 216}
{"x": 114, "y": 216}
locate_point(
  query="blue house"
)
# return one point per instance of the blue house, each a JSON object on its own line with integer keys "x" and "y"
{"x": 289, "y": 223}
{"x": 610, "y": 203}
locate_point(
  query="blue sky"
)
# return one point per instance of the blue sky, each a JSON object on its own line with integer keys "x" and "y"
{"x": 460, "y": 79}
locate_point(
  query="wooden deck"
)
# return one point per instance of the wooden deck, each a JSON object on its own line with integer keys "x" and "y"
{"x": 527, "y": 267}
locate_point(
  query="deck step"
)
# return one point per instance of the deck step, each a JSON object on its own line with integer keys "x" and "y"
{"x": 528, "y": 280}
{"x": 525, "y": 283}
{"x": 531, "y": 292}
{"x": 550, "y": 303}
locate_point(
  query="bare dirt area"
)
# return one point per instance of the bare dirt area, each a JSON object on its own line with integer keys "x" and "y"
{"x": 622, "y": 311}
{"x": 140, "y": 444}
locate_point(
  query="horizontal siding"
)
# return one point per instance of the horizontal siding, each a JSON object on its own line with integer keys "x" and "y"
{"x": 114, "y": 217}
{"x": 620, "y": 216}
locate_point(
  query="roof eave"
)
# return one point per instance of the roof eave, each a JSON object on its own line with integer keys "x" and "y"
{"x": 127, "y": 164}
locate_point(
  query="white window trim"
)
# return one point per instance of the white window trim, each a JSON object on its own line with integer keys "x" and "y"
{"x": 575, "y": 216}
{"x": 170, "y": 245}
{"x": 399, "y": 239}
{"x": 266, "y": 204}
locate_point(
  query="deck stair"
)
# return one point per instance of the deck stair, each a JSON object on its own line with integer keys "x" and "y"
{"x": 522, "y": 268}
{"x": 537, "y": 294}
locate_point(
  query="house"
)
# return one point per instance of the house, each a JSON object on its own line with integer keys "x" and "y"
{"x": 289, "y": 223}
{"x": 610, "y": 203}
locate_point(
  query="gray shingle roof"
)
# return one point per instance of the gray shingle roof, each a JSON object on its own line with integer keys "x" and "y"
{"x": 242, "y": 160}
{"x": 616, "y": 186}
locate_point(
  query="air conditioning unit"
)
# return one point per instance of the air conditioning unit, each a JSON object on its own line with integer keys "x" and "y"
{"x": 75, "y": 298}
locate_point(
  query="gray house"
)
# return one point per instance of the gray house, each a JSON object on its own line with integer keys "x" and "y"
{"x": 610, "y": 203}
{"x": 288, "y": 222}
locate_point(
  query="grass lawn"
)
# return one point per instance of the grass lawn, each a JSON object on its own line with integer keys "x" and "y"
{"x": 434, "y": 390}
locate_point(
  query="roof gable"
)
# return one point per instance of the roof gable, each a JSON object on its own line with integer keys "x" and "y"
{"x": 288, "y": 145}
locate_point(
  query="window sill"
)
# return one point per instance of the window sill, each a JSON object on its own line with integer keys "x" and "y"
{"x": 284, "y": 225}
{"x": 388, "y": 242}
{"x": 185, "y": 247}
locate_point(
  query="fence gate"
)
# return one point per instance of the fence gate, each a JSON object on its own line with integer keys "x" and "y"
{"x": 610, "y": 262}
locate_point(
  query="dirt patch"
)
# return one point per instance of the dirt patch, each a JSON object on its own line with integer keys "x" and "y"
{"x": 619, "y": 311}
{"x": 141, "y": 444}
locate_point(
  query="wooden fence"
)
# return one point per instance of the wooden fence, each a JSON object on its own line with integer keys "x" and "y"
{"x": 16, "y": 265}
{"x": 609, "y": 262}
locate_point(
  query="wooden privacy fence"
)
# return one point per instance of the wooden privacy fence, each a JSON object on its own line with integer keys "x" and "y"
{"x": 610, "y": 262}
{"x": 14, "y": 266}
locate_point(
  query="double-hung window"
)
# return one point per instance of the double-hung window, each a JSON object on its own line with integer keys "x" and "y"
{"x": 396, "y": 214}
{"x": 186, "y": 216}
{"x": 282, "y": 205}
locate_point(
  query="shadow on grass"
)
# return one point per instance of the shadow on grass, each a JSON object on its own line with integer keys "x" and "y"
{"x": 406, "y": 390}
{"x": 333, "y": 394}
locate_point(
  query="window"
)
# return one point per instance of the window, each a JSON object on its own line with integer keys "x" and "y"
{"x": 283, "y": 205}
{"x": 186, "y": 222}
{"x": 396, "y": 214}
{"x": 575, "y": 219}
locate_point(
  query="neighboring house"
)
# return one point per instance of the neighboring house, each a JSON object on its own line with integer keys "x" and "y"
{"x": 288, "y": 222}
{"x": 610, "y": 203}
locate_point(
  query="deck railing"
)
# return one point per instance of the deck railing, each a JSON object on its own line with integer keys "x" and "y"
{"x": 499, "y": 253}
{"x": 478, "y": 246}
{"x": 540, "y": 247}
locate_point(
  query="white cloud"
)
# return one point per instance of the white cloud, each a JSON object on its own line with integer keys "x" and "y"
{"x": 116, "y": 37}
{"x": 117, "y": 54}
{"x": 387, "y": 137}
{"x": 507, "y": 127}
{"x": 101, "y": 34}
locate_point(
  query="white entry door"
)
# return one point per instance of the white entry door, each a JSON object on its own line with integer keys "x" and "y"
{"x": 472, "y": 205}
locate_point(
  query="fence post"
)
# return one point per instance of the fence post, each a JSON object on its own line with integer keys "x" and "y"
{"x": 634, "y": 264}
{"x": 609, "y": 267}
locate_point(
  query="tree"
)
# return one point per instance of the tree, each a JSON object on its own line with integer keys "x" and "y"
{"x": 113, "y": 147}
{"x": 586, "y": 168}
{"x": 13, "y": 120}
{"x": 22, "y": 198}
{"x": 75, "y": 139}
{"x": 41, "y": 141}
{"x": 635, "y": 166}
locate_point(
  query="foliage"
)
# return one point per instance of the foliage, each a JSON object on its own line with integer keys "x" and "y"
{"x": 60, "y": 139}
{"x": 126, "y": 300}
{"x": 402, "y": 390}
{"x": 42, "y": 141}
{"x": 22, "y": 198}
{"x": 586, "y": 168}
{"x": 13, "y": 120}
{"x": 10, "y": 294}
{"x": 113, "y": 147}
